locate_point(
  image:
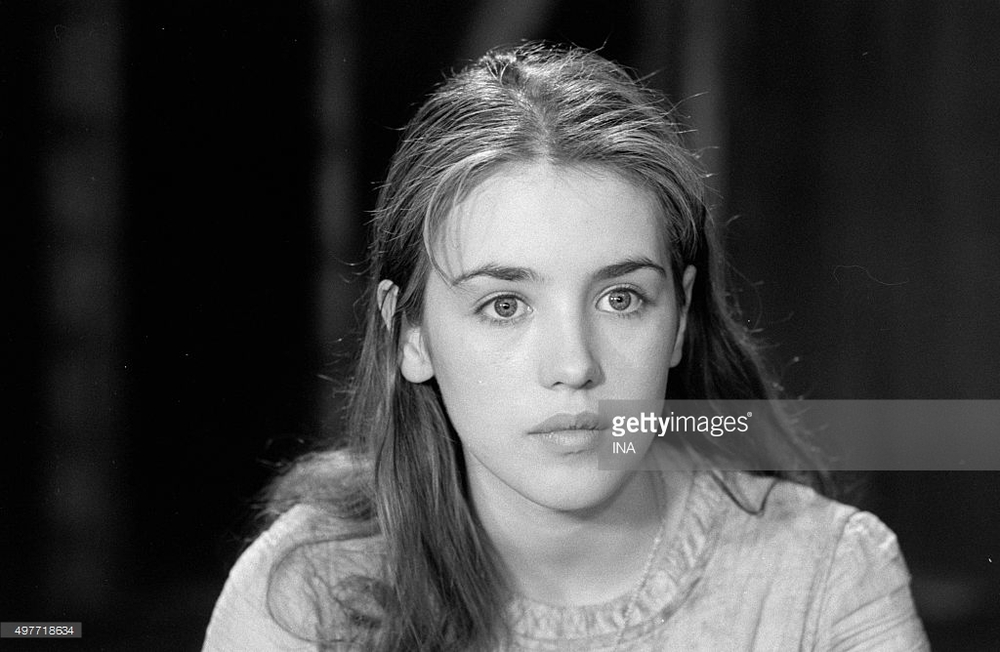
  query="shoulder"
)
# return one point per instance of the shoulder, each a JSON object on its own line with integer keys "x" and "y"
{"x": 241, "y": 618}
{"x": 800, "y": 525}
{"x": 271, "y": 599}
{"x": 841, "y": 568}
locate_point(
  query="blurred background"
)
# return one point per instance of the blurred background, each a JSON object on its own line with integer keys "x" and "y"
{"x": 184, "y": 191}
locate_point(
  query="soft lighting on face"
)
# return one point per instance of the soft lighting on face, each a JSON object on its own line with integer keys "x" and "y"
{"x": 554, "y": 292}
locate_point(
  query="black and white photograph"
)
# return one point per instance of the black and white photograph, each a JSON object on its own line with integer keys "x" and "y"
{"x": 500, "y": 325}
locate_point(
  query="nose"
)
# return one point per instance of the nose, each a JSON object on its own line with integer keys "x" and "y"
{"x": 568, "y": 353}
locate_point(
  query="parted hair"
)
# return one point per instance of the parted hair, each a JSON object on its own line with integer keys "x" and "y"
{"x": 396, "y": 472}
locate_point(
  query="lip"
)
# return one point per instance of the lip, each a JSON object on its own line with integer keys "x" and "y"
{"x": 583, "y": 421}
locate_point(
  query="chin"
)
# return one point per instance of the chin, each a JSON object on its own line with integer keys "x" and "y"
{"x": 576, "y": 490}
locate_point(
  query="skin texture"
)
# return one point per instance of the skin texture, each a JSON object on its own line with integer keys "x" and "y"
{"x": 555, "y": 292}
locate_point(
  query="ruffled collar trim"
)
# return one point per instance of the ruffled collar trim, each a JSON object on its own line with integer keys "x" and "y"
{"x": 676, "y": 570}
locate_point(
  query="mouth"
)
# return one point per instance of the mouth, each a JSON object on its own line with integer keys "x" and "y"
{"x": 568, "y": 423}
{"x": 569, "y": 433}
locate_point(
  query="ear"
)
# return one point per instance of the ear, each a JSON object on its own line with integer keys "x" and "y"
{"x": 415, "y": 360}
{"x": 687, "y": 282}
{"x": 386, "y": 296}
{"x": 416, "y": 363}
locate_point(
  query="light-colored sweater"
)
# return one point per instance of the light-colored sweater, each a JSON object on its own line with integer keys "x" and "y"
{"x": 805, "y": 573}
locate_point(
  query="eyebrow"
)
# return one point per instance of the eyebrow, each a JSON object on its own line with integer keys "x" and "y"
{"x": 520, "y": 274}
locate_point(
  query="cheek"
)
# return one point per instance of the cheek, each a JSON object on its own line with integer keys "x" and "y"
{"x": 465, "y": 352}
{"x": 640, "y": 360}
{"x": 473, "y": 369}
{"x": 480, "y": 392}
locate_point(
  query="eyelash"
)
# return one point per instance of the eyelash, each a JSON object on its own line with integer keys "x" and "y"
{"x": 636, "y": 295}
{"x": 499, "y": 321}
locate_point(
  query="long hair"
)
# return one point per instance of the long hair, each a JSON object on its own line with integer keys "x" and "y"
{"x": 399, "y": 471}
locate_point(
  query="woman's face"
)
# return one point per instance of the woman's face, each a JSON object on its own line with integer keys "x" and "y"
{"x": 556, "y": 293}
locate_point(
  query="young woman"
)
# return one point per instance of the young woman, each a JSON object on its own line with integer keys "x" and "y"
{"x": 542, "y": 244}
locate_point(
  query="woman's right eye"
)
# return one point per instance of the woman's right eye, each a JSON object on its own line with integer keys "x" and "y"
{"x": 503, "y": 309}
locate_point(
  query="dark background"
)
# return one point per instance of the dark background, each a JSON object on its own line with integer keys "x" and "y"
{"x": 183, "y": 197}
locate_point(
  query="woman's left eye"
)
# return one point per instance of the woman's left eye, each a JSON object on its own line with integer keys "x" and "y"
{"x": 621, "y": 301}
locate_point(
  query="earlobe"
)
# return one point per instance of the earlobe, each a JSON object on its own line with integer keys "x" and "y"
{"x": 687, "y": 283}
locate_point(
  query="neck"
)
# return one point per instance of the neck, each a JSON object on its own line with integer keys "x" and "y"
{"x": 571, "y": 558}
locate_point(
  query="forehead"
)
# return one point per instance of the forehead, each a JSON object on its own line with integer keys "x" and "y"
{"x": 551, "y": 218}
